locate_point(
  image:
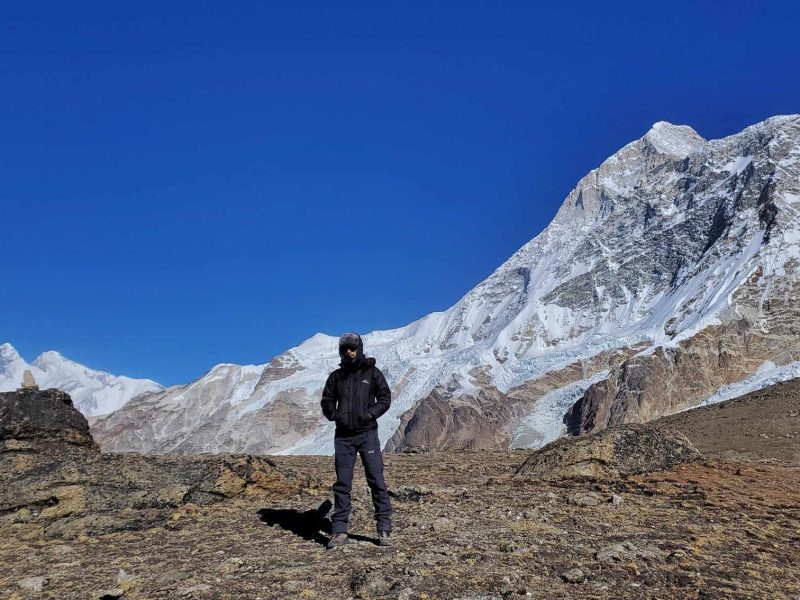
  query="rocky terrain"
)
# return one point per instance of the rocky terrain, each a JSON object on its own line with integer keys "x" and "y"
{"x": 708, "y": 506}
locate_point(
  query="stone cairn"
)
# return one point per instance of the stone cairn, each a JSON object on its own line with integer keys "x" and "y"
{"x": 28, "y": 382}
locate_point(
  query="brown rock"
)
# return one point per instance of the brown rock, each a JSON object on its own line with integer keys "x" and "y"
{"x": 622, "y": 450}
{"x": 42, "y": 417}
{"x": 574, "y": 576}
{"x": 33, "y": 584}
{"x": 584, "y": 499}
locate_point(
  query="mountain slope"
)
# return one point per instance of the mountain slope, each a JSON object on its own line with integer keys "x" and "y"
{"x": 666, "y": 274}
{"x": 93, "y": 392}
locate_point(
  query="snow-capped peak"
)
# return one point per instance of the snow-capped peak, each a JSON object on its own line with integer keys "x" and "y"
{"x": 673, "y": 140}
{"x": 93, "y": 392}
{"x": 51, "y": 357}
{"x": 8, "y": 353}
{"x": 663, "y": 239}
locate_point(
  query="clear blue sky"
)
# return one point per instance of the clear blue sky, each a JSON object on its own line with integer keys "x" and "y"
{"x": 183, "y": 184}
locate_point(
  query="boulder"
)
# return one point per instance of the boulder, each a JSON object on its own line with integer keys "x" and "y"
{"x": 621, "y": 450}
{"x": 42, "y": 416}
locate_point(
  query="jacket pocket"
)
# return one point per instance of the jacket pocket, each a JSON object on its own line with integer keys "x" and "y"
{"x": 347, "y": 415}
{"x": 360, "y": 417}
{"x": 368, "y": 408}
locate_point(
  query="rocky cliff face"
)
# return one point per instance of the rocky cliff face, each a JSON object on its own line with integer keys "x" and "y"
{"x": 668, "y": 271}
{"x": 758, "y": 324}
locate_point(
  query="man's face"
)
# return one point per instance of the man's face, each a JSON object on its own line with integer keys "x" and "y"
{"x": 350, "y": 352}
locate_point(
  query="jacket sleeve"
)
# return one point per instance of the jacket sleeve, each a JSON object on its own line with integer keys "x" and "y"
{"x": 329, "y": 398}
{"x": 383, "y": 395}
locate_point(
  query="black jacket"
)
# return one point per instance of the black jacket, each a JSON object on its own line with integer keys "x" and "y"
{"x": 355, "y": 397}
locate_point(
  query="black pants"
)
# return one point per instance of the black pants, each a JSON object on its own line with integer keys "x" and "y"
{"x": 368, "y": 445}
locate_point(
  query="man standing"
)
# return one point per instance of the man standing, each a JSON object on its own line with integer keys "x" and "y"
{"x": 355, "y": 395}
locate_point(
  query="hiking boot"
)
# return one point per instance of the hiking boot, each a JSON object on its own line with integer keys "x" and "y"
{"x": 384, "y": 538}
{"x": 337, "y": 539}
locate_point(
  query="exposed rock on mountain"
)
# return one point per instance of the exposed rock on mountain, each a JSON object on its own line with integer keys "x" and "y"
{"x": 667, "y": 273}
{"x": 757, "y": 328}
{"x": 449, "y": 419}
{"x": 157, "y": 422}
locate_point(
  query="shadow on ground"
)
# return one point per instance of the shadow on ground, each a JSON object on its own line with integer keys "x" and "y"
{"x": 309, "y": 524}
{"x": 306, "y": 524}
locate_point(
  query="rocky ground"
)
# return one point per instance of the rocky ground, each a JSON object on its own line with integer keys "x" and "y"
{"x": 75, "y": 523}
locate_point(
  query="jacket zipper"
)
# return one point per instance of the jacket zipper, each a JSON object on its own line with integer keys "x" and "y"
{"x": 352, "y": 383}
{"x": 353, "y": 397}
{"x": 351, "y": 423}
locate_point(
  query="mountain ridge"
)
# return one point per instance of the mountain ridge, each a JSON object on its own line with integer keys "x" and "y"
{"x": 94, "y": 392}
{"x": 648, "y": 250}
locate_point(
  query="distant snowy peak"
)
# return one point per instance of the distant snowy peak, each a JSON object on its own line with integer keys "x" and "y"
{"x": 52, "y": 360}
{"x": 677, "y": 141}
{"x": 8, "y": 353}
{"x": 93, "y": 392}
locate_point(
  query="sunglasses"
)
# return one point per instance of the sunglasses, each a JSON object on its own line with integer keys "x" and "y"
{"x": 349, "y": 346}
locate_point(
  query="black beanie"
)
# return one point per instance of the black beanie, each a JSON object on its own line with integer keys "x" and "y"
{"x": 350, "y": 338}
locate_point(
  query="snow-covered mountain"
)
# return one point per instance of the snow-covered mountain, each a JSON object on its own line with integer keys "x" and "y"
{"x": 669, "y": 272}
{"x": 93, "y": 392}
